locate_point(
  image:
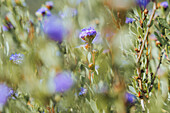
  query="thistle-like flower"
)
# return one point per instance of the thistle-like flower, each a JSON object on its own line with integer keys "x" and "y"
{"x": 88, "y": 34}
{"x": 17, "y": 58}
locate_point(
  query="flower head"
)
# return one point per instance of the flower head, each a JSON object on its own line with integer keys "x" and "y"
{"x": 17, "y": 58}
{"x": 4, "y": 94}
{"x": 164, "y": 4}
{"x": 129, "y": 20}
{"x": 82, "y": 91}
{"x": 43, "y": 11}
{"x": 49, "y": 5}
{"x": 63, "y": 82}
{"x": 142, "y": 3}
{"x": 130, "y": 98}
{"x": 54, "y": 29}
{"x": 7, "y": 27}
{"x": 88, "y": 34}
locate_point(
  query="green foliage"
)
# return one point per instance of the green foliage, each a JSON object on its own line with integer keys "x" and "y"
{"x": 107, "y": 67}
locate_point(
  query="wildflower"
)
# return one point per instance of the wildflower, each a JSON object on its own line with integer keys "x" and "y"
{"x": 54, "y": 29}
{"x": 7, "y": 27}
{"x": 82, "y": 91}
{"x": 142, "y": 3}
{"x": 129, "y": 20}
{"x": 88, "y": 34}
{"x": 130, "y": 98}
{"x": 49, "y": 5}
{"x": 43, "y": 11}
{"x": 17, "y": 58}
{"x": 164, "y": 4}
{"x": 5, "y": 93}
{"x": 63, "y": 82}
{"x": 4, "y": 28}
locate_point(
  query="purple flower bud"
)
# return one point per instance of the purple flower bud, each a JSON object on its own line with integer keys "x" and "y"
{"x": 17, "y": 58}
{"x": 54, "y": 29}
{"x": 130, "y": 98}
{"x": 129, "y": 20}
{"x": 164, "y": 4}
{"x": 88, "y": 33}
{"x": 4, "y": 94}
{"x": 142, "y": 3}
{"x": 82, "y": 91}
{"x": 7, "y": 27}
{"x": 63, "y": 82}
{"x": 43, "y": 11}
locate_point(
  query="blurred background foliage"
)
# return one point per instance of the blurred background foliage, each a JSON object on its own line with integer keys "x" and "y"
{"x": 107, "y": 72}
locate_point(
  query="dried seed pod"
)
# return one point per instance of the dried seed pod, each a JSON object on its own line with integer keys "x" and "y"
{"x": 137, "y": 50}
{"x": 145, "y": 11}
{"x": 91, "y": 66}
{"x": 158, "y": 43}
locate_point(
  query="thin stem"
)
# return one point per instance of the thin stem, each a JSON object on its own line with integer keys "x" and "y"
{"x": 147, "y": 32}
{"x": 160, "y": 61}
{"x": 147, "y": 63}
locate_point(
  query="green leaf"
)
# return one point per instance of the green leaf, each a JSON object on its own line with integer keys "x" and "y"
{"x": 89, "y": 57}
{"x": 132, "y": 29}
{"x": 93, "y": 105}
{"x": 167, "y": 33}
{"x": 163, "y": 23}
{"x": 132, "y": 89}
{"x": 140, "y": 31}
{"x": 158, "y": 37}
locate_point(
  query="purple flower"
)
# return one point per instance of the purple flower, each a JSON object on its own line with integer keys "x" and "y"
{"x": 49, "y": 4}
{"x": 63, "y": 82}
{"x": 164, "y": 4}
{"x": 7, "y": 27}
{"x": 4, "y": 28}
{"x": 88, "y": 34}
{"x": 82, "y": 91}
{"x": 130, "y": 98}
{"x": 142, "y": 3}
{"x": 129, "y": 20}
{"x": 4, "y": 94}
{"x": 43, "y": 11}
{"x": 54, "y": 29}
{"x": 17, "y": 58}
